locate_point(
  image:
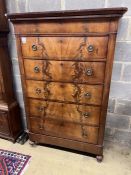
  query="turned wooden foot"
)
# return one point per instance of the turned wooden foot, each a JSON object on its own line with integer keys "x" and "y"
{"x": 32, "y": 143}
{"x": 99, "y": 158}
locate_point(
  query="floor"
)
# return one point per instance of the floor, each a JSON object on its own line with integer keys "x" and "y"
{"x": 50, "y": 161}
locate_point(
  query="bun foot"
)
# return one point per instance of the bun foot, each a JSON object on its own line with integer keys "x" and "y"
{"x": 99, "y": 158}
{"x": 33, "y": 144}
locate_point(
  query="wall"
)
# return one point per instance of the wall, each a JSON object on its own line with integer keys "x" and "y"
{"x": 118, "y": 126}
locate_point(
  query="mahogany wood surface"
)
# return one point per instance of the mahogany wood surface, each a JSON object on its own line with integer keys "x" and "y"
{"x": 10, "y": 119}
{"x": 65, "y": 130}
{"x": 65, "y": 48}
{"x": 4, "y": 27}
{"x": 77, "y": 71}
{"x": 74, "y": 93}
{"x": 89, "y": 115}
{"x": 66, "y": 63}
{"x": 4, "y": 127}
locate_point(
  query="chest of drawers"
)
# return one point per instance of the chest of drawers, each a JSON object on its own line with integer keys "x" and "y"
{"x": 66, "y": 61}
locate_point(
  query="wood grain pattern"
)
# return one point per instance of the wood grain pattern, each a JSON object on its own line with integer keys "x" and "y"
{"x": 62, "y": 27}
{"x": 65, "y": 112}
{"x": 66, "y": 62}
{"x": 1, "y": 86}
{"x": 76, "y": 71}
{"x": 10, "y": 121}
{"x": 65, "y": 130}
{"x": 81, "y": 93}
{"x": 3, "y": 21}
{"x": 64, "y": 48}
{"x": 108, "y": 73}
{"x": 66, "y": 143}
{"x": 4, "y": 127}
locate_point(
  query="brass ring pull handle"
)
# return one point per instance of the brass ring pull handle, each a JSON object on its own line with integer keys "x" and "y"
{"x": 90, "y": 48}
{"x": 36, "y": 69}
{"x": 89, "y": 72}
{"x": 87, "y": 95}
{"x": 41, "y": 108}
{"x": 40, "y": 127}
{"x": 38, "y": 91}
{"x": 86, "y": 114}
{"x": 34, "y": 47}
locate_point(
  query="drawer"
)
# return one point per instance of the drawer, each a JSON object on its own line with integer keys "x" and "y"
{"x": 64, "y": 130}
{"x": 65, "y": 48}
{"x": 63, "y": 27}
{"x": 65, "y": 71}
{"x": 88, "y": 94}
{"x": 4, "y": 127}
{"x": 66, "y": 112}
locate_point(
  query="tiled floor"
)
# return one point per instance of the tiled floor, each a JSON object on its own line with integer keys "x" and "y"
{"x": 50, "y": 161}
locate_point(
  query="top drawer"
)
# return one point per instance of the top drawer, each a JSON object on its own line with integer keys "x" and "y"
{"x": 63, "y": 27}
{"x": 65, "y": 48}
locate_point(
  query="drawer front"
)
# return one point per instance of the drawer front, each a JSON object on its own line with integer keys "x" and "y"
{"x": 64, "y": 130}
{"x": 65, "y": 112}
{"x": 64, "y": 27}
{"x": 65, "y": 71}
{"x": 65, "y": 48}
{"x": 65, "y": 92}
{"x": 4, "y": 127}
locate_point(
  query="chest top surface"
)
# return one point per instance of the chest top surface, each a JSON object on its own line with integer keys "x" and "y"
{"x": 87, "y": 21}
{"x": 70, "y": 14}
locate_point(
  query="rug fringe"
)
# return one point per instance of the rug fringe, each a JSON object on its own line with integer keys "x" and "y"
{"x": 26, "y": 166}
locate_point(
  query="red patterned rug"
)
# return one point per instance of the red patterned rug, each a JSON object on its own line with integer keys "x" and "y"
{"x": 12, "y": 163}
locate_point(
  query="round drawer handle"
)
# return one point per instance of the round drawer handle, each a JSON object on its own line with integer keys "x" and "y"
{"x": 38, "y": 91}
{"x": 34, "y": 47}
{"x": 36, "y": 69}
{"x": 86, "y": 114}
{"x": 40, "y": 127}
{"x": 87, "y": 95}
{"x": 40, "y": 109}
{"x": 89, "y": 72}
{"x": 90, "y": 48}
